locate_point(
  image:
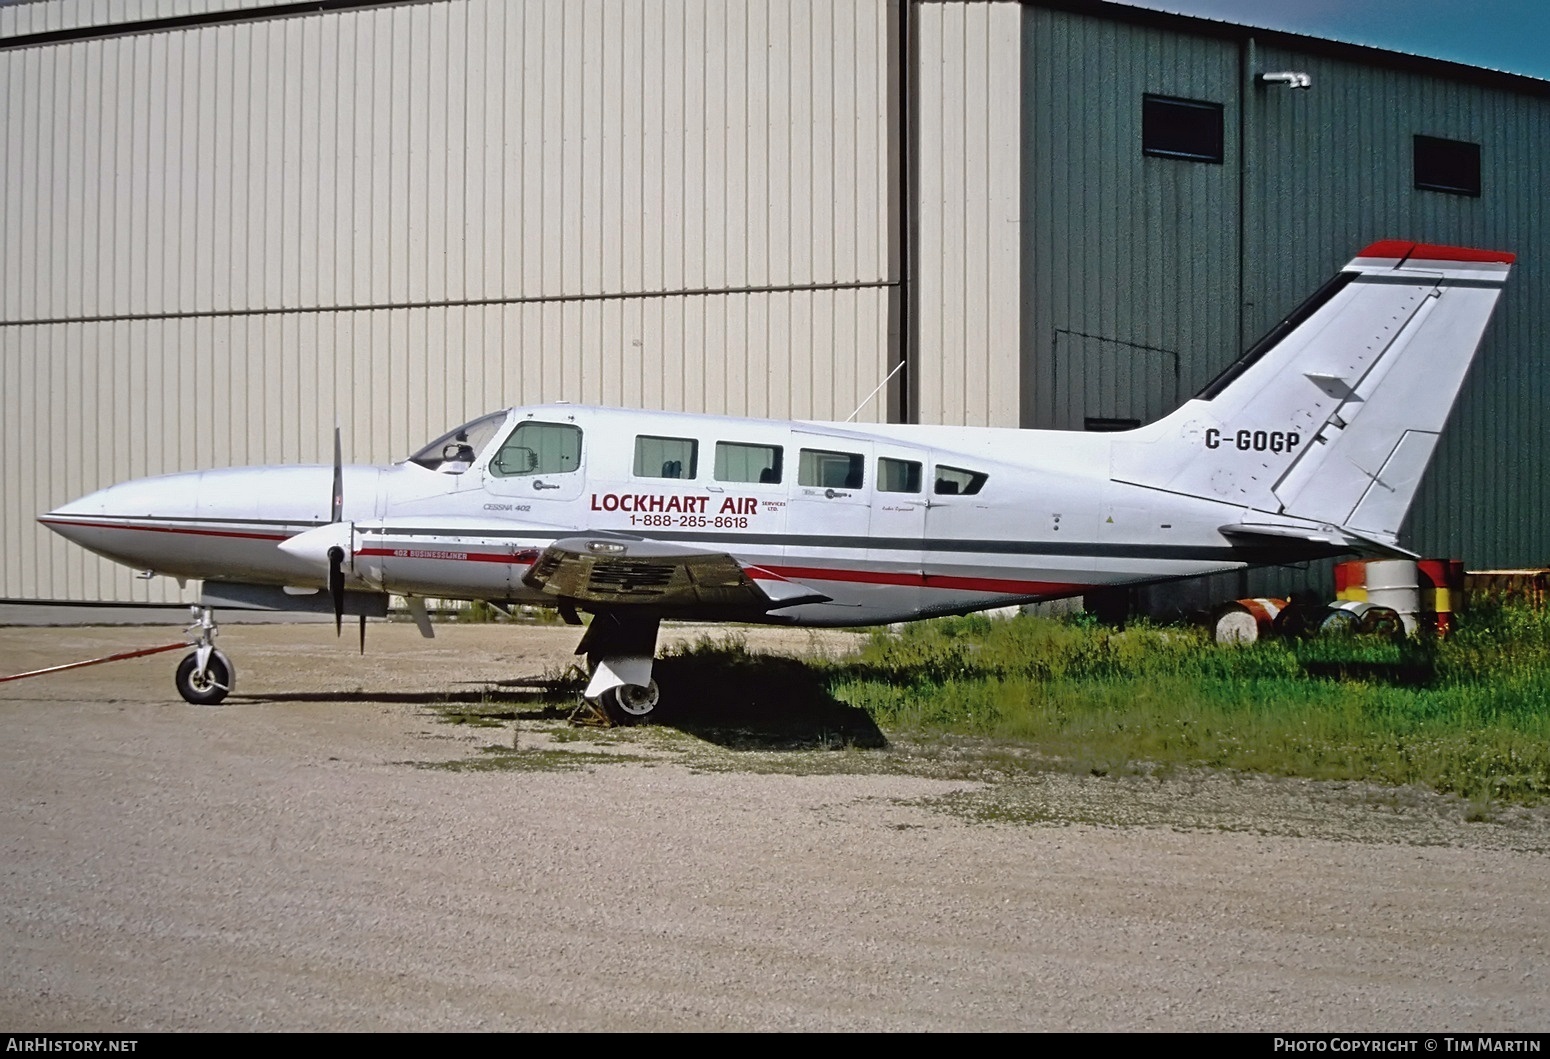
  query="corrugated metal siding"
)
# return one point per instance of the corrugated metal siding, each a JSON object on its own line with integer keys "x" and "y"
{"x": 103, "y": 402}
{"x": 46, "y": 16}
{"x": 1331, "y": 169}
{"x": 448, "y": 152}
{"x": 1129, "y": 261}
{"x": 674, "y": 204}
{"x": 967, "y": 282}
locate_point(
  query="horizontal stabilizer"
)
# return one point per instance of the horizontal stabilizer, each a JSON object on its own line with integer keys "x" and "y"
{"x": 1336, "y": 539}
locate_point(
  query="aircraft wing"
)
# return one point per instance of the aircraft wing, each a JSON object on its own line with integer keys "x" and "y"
{"x": 606, "y": 570}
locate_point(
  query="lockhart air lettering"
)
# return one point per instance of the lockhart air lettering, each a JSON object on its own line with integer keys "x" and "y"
{"x": 649, "y": 502}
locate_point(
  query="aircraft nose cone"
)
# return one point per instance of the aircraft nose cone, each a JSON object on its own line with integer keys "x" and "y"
{"x": 224, "y": 524}
{"x": 171, "y": 495}
{"x": 115, "y": 522}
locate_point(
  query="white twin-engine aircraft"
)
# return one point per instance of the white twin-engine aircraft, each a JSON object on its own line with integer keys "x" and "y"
{"x": 1311, "y": 444}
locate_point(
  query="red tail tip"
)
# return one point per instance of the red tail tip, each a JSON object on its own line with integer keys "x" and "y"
{"x": 1401, "y": 250}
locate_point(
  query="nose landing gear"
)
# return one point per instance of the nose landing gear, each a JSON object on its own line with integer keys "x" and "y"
{"x": 206, "y": 675}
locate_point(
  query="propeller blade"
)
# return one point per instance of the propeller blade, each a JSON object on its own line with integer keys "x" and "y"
{"x": 336, "y": 586}
{"x": 338, "y": 507}
{"x": 363, "y": 634}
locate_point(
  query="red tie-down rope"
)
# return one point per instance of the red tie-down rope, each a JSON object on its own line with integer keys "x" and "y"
{"x": 96, "y": 661}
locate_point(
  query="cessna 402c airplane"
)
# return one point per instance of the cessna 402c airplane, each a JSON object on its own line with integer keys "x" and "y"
{"x": 1313, "y": 443}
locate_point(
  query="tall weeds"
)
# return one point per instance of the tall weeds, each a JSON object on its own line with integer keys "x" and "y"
{"x": 1469, "y": 714}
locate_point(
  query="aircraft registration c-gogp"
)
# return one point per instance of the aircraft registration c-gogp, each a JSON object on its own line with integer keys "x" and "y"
{"x": 1312, "y": 444}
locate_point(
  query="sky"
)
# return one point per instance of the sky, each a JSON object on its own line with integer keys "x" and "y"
{"x": 1511, "y": 35}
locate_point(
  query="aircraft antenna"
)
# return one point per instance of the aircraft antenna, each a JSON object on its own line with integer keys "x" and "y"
{"x": 863, "y": 404}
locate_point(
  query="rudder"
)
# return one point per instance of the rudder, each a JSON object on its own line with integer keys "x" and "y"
{"x": 1333, "y": 417}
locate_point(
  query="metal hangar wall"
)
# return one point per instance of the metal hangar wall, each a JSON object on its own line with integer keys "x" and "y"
{"x": 226, "y": 225}
{"x": 1148, "y": 266}
{"x": 224, "y": 230}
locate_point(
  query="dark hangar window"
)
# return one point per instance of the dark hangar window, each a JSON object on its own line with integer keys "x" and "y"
{"x": 1181, "y": 128}
{"x": 1447, "y": 165}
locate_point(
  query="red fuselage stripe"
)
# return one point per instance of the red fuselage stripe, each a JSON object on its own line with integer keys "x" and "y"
{"x": 187, "y": 530}
{"x": 452, "y": 554}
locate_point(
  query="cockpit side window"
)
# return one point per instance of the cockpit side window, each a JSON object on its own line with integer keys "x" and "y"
{"x": 538, "y": 448}
{"x": 455, "y": 451}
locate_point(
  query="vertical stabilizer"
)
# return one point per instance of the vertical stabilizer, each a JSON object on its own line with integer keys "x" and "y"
{"x": 1332, "y": 418}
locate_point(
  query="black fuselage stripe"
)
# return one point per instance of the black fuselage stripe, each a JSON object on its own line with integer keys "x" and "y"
{"x": 1225, "y": 553}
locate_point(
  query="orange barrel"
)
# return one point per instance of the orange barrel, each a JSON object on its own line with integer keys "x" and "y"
{"x": 1385, "y": 621}
{"x": 1393, "y": 583}
{"x": 1299, "y": 619}
{"x": 1442, "y": 591}
{"x": 1246, "y": 620}
{"x": 1351, "y": 580}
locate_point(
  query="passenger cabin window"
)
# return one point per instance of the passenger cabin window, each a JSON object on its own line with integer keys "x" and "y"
{"x": 831, "y": 470}
{"x": 538, "y": 448}
{"x": 955, "y": 481}
{"x": 737, "y": 462}
{"x": 666, "y": 457}
{"x": 898, "y": 476}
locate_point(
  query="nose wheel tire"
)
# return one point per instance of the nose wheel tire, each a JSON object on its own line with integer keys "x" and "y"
{"x": 207, "y": 688}
{"x": 631, "y": 703}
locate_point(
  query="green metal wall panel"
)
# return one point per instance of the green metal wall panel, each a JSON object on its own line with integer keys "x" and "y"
{"x": 1145, "y": 276}
{"x": 1124, "y": 251}
{"x": 1331, "y": 168}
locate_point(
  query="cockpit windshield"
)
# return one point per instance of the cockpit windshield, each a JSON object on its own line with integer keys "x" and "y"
{"x": 454, "y": 452}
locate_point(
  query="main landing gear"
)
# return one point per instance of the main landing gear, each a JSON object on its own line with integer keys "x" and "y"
{"x": 619, "y": 651}
{"x": 624, "y": 705}
{"x": 206, "y": 675}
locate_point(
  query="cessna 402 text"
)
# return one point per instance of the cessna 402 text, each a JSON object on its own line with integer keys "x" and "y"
{"x": 1313, "y": 443}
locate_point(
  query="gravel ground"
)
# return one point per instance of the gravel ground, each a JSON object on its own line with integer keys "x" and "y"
{"x": 324, "y": 852}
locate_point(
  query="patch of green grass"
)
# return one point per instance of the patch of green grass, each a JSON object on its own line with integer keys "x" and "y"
{"x": 492, "y": 708}
{"x": 506, "y": 759}
{"x": 473, "y": 718}
{"x": 1469, "y": 714}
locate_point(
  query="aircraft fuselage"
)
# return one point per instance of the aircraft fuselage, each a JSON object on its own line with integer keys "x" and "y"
{"x": 890, "y": 522}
